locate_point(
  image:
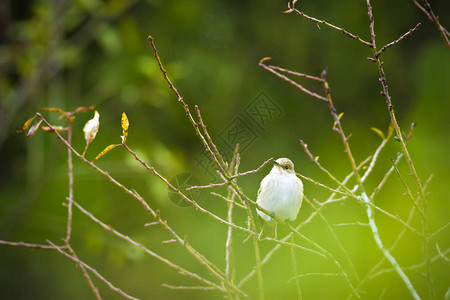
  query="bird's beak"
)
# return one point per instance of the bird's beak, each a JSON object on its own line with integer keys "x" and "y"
{"x": 275, "y": 163}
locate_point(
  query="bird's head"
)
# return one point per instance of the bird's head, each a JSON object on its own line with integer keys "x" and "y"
{"x": 285, "y": 164}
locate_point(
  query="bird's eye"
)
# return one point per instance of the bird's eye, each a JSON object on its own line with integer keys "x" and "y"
{"x": 286, "y": 167}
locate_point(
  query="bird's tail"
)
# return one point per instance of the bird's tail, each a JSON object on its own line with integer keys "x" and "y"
{"x": 269, "y": 230}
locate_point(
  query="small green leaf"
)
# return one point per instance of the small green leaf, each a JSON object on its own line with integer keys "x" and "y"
{"x": 379, "y": 132}
{"x": 391, "y": 129}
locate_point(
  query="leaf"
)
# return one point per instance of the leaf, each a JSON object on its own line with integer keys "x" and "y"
{"x": 339, "y": 118}
{"x": 106, "y": 150}
{"x": 57, "y": 128}
{"x": 83, "y": 109}
{"x": 125, "y": 124}
{"x": 52, "y": 109}
{"x": 91, "y": 128}
{"x": 26, "y": 124}
{"x": 34, "y": 128}
{"x": 391, "y": 129}
{"x": 316, "y": 158}
{"x": 379, "y": 132}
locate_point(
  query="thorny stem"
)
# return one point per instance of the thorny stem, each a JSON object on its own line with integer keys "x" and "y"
{"x": 405, "y": 151}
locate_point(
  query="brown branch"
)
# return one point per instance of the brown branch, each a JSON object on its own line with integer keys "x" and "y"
{"x": 397, "y": 40}
{"x": 426, "y": 8}
{"x": 317, "y": 21}
{"x": 78, "y": 261}
{"x": 305, "y": 90}
{"x": 28, "y": 245}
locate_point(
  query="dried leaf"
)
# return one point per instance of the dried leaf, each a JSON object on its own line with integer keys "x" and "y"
{"x": 57, "y": 128}
{"x": 27, "y": 123}
{"x": 52, "y": 109}
{"x": 106, "y": 150}
{"x": 125, "y": 124}
{"x": 91, "y": 128}
{"x": 83, "y": 109}
{"x": 34, "y": 128}
{"x": 379, "y": 132}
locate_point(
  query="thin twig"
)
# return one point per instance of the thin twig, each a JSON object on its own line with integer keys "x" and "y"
{"x": 302, "y": 88}
{"x": 85, "y": 274}
{"x": 294, "y": 268}
{"x": 426, "y": 8}
{"x": 29, "y": 245}
{"x": 317, "y": 21}
{"x": 397, "y": 40}
{"x": 148, "y": 251}
{"x": 96, "y": 273}
{"x": 173, "y": 287}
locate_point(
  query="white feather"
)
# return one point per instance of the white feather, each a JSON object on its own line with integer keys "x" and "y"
{"x": 281, "y": 193}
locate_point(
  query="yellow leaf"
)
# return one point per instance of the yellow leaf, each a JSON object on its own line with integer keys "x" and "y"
{"x": 339, "y": 118}
{"x": 57, "y": 128}
{"x": 83, "y": 109}
{"x": 27, "y": 123}
{"x": 316, "y": 158}
{"x": 125, "y": 124}
{"x": 391, "y": 129}
{"x": 106, "y": 150}
{"x": 52, "y": 109}
{"x": 379, "y": 132}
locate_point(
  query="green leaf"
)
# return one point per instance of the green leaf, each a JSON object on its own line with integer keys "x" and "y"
{"x": 379, "y": 132}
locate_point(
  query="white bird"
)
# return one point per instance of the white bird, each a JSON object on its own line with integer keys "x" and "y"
{"x": 280, "y": 193}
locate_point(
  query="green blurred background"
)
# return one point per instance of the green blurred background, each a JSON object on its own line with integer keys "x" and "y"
{"x": 68, "y": 54}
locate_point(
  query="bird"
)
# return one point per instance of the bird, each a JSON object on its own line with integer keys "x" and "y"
{"x": 281, "y": 194}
